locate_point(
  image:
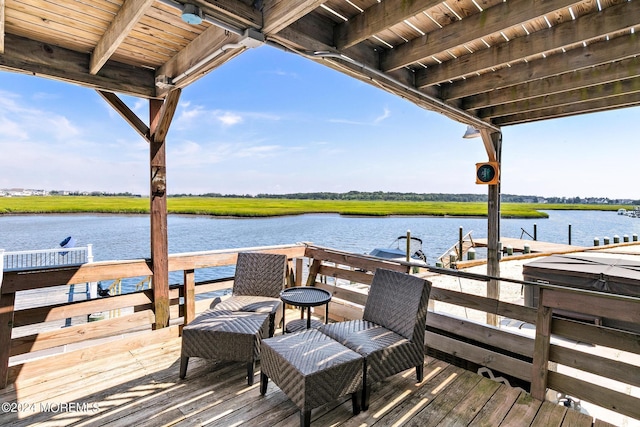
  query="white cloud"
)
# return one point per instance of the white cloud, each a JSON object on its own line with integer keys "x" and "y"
{"x": 386, "y": 113}
{"x": 228, "y": 118}
{"x": 259, "y": 151}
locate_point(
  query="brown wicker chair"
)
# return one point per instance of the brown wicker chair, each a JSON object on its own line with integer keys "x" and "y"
{"x": 234, "y": 328}
{"x": 259, "y": 278}
{"x": 390, "y": 335}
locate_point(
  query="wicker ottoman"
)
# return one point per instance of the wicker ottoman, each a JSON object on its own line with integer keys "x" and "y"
{"x": 312, "y": 369}
{"x": 224, "y": 335}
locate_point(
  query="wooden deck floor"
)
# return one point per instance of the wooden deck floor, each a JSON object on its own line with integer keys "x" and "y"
{"x": 142, "y": 388}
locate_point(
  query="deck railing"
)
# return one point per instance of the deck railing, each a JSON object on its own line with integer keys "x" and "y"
{"x": 19, "y": 260}
{"x": 535, "y": 362}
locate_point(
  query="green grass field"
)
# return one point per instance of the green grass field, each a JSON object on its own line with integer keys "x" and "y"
{"x": 247, "y": 207}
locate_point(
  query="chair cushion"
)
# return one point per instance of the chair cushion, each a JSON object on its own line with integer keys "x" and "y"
{"x": 385, "y": 351}
{"x": 255, "y": 304}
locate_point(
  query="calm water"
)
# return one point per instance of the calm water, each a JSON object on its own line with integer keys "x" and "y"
{"x": 127, "y": 236}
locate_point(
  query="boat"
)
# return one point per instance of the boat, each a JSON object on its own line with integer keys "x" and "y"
{"x": 622, "y": 211}
{"x": 397, "y": 250}
{"x": 635, "y": 213}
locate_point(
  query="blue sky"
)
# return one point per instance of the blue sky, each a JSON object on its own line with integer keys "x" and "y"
{"x": 272, "y": 122}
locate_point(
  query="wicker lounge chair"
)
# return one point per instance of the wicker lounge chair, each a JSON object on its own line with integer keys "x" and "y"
{"x": 234, "y": 328}
{"x": 258, "y": 281}
{"x": 390, "y": 335}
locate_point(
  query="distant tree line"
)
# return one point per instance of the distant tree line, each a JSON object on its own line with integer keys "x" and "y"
{"x": 362, "y": 195}
{"x": 423, "y": 197}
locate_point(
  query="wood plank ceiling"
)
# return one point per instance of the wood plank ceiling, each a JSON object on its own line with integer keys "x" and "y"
{"x": 489, "y": 63}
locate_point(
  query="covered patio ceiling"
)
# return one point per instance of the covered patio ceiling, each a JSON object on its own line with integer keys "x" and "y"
{"x": 487, "y": 63}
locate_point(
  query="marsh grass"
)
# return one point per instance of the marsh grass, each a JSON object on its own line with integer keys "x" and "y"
{"x": 253, "y": 207}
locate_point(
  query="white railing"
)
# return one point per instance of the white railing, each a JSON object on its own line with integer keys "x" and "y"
{"x": 15, "y": 260}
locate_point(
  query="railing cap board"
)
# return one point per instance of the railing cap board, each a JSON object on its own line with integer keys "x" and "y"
{"x": 619, "y": 307}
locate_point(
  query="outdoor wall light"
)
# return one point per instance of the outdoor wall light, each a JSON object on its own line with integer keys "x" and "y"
{"x": 471, "y": 132}
{"x": 192, "y": 14}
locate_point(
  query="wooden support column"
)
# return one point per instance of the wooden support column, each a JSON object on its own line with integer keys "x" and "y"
{"x": 493, "y": 145}
{"x": 158, "y": 209}
{"x": 161, "y": 114}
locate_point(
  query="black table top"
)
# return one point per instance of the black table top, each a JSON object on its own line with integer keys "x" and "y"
{"x": 305, "y": 296}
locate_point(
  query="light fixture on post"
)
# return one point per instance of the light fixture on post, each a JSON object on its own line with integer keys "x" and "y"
{"x": 471, "y": 132}
{"x": 192, "y": 14}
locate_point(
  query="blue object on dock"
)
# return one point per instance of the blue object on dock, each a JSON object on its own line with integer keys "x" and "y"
{"x": 69, "y": 242}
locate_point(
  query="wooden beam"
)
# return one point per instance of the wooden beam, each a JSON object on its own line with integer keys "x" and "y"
{"x": 612, "y": 103}
{"x": 119, "y": 29}
{"x": 2, "y": 5}
{"x": 587, "y": 77}
{"x": 473, "y": 27}
{"x": 489, "y": 146}
{"x": 378, "y": 18}
{"x": 212, "y": 39}
{"x": 592, "y": 93}
{"x": 242, "y": 14}
{"x": 50, "y": 61}
{"x": 166, "y": 115}
{"x": 595, "y": 54}
{"x": 587, "y": 27}
{"x": 278, "y": 14}
{"x": 129, "y": 116}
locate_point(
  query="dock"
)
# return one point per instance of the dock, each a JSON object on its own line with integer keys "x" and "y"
{"x": 535, "y": 246}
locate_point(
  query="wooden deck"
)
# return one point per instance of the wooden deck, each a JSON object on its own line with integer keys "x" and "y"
{"x": 142, "y": 387}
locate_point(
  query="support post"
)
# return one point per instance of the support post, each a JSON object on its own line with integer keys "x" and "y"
{"x": 158, "y": 209}
{"x": 493, "y": 140}
{"x": 161, "y": 114}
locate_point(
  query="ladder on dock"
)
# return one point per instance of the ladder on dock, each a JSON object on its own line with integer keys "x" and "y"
{"x": 448, "y": 257}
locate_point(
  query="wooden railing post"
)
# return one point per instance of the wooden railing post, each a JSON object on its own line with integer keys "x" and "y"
{"x": 189, "y": 296}
{"x": 540, "y": 367}
{"x": 298, "y": 275}
{"x": 7, "y": 303}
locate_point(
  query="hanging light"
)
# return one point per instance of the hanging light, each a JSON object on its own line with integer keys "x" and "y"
{"x": 192, "y": 14}
{"x": 471, "y": 132}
